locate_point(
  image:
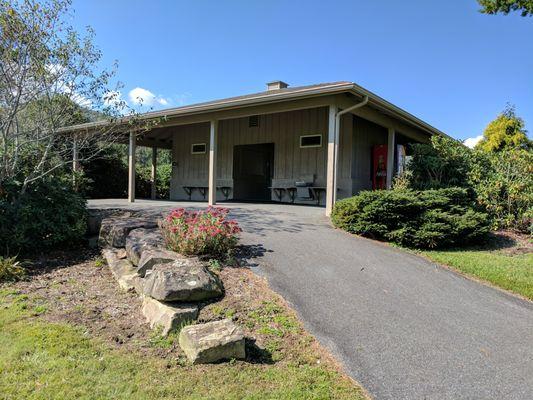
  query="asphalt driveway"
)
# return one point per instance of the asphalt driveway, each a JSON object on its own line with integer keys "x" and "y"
{"x": 403, "y": 327}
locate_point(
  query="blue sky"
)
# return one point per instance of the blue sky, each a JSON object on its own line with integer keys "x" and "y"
{"x": 443, "y": 61}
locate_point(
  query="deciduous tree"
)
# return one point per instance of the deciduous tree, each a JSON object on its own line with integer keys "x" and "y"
{"x": 525, "y": 7}
{"x": 507, "y": 131}
{"x": 49, "y": 77}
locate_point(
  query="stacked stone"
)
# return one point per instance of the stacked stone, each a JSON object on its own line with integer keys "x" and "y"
{"x": 170, "y": 285}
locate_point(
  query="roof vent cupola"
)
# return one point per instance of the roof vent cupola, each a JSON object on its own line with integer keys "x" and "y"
{"x": 276, "y": 85}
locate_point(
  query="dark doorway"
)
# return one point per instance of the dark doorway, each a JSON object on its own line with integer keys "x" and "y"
{"x": 252, "y": 171}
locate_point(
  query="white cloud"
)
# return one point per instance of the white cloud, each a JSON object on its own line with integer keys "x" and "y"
{"x": 60, "y": 82}
{"x": 143, "y": 96}
{"x": 81, "y": 100}
{"x": 471, "y": 142}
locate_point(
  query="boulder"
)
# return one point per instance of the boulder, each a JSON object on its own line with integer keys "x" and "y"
{"x": 154, "y": 256}
{"x": 213, "y": 341}
{"x": 96, "y": 216}
{"x": 140, "y": 239}
{"x": 114, "y": 230}
{"x": 168, "y": 316}
{"x": 182, "y": 280}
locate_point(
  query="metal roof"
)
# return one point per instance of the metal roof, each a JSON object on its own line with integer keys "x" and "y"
{"x": 268, "y": 96}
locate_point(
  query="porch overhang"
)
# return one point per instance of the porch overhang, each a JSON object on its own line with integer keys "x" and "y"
{"x": 336, "y": 96}
{"x": 267, "y": 102}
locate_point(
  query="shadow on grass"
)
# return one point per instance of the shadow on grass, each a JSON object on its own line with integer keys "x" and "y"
{"x": 256, "y": 354}
{"x": 494, "y": 241}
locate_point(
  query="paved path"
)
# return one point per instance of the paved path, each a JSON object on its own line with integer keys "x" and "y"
{"x": 402, "y": 326}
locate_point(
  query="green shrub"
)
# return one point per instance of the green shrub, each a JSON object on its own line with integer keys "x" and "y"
{"x": 162, "y": 185}
{"x": 443, "y": 163}
{"x": 107, "y": 175}
{"x": 421, "y": 219}
{"x": 506, "y": 189}
{"x": 11, "y": 270}
{"x": 48, "y": 215}
{"x": 501, "y": 182}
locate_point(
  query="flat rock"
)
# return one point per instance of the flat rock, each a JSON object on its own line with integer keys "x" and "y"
{"x": 114, "y": 230}
{"x": 141, "y": 239}
{"x": 153, "y": 256}
{"x": 213, "y": 341}
{"x": 123, "y": 270}
{"x": 168, "y": 317}
{"x": 182, "y": 280}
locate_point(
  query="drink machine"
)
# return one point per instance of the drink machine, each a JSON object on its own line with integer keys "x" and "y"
{"x": 379, "y": 167}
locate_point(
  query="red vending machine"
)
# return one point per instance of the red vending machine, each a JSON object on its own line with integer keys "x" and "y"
{"x": 379, "y": 167}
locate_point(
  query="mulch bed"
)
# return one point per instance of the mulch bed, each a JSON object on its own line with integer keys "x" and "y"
{"x": 509, "y": 242}
{"x": 77, "y": 287}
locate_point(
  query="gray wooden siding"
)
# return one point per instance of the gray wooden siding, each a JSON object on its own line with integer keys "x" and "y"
{"x": 283, "y": 129}
{"x": 188, "y": 169}
{"x": 291, "y": 163}
{"x": 365, "y": 135}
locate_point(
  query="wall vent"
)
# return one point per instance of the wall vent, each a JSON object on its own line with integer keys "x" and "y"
{"x": 253, "y": 121}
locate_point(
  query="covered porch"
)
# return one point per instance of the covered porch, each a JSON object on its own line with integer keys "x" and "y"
{"x": 261, "y": 153}
{"x": 305, "y": 145}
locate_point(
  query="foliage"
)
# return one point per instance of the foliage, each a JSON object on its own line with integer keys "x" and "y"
{"x": 443, "y": 163}
{"x": 49, "y": 214}
{"x": 162, "y": 185}
{"x": 11, "y": 270}
{"x": 507, "y": 131}
{"x": 107, "y": 175}
{"x": 506, "y": 189}
{"x": 48, "y": 78}
{"x": 501, "y": 182}
{"x": 200, "y": 232}
{"x": 420, "y": 219}
{"x": 506, "y": 6}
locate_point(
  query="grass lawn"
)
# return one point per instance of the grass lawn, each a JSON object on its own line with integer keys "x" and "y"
{"x": 46, "y": 354}
{"x": 503, "y": 267}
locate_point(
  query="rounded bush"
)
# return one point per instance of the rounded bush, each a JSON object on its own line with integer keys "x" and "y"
{"x": 420, "y": 219}
{"x": 49, "y": 214}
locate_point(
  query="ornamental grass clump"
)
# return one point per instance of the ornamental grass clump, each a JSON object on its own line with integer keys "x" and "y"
{"x": 11, "y": 270}
{"x": 207, "y": 232}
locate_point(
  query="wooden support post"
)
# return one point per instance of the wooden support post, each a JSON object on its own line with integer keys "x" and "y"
{"x": 131, "y": 170}
{"x": 213, "y": 133}
{"x": 390, "y": 156}
{"x": 336, "y": 158}
{"x": 330, "y": 173}
{"x": 75, "y": 156}
{"x": 153, "y": 176}
{"x": 75, "y": 162}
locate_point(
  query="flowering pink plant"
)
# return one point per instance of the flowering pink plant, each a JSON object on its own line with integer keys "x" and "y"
{"x": 200, "y": 232}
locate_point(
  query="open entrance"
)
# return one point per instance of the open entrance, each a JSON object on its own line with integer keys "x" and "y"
{"x": 252, "y": 171}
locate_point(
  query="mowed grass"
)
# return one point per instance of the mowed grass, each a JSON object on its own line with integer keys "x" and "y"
{"x": 511, "y": 272}
{"x": 43, "y": 360}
